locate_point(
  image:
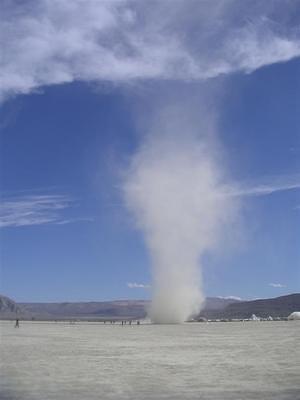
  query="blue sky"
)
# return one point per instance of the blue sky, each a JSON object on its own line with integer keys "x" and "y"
{"x": 68, "y": 133}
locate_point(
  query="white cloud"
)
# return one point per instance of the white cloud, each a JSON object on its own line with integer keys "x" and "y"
{"x": 277, "y": 285}
{"x": 230, "y": 298}
{"x": 29, "y": 210}
{"x": 123, "y": 40}
{"x": 134, "y": 285}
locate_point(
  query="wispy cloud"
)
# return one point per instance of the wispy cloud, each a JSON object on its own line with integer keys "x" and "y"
{"x": 134, "y": 285}
{"x": 268, "y": 186}
{"x": 75, "y": 219}
{"x": 277, "y": 285}
{"x": 127, "y": 40}
{"x": 39, "y": 209}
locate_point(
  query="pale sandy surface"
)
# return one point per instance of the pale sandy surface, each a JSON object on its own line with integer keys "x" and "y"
{"x": 220, "y": 361}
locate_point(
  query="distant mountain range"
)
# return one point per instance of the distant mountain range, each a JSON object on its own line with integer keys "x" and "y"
{"x": 88, "y": 310}
{"x": 214, "y": 308}
{"x": 281, "y": 306}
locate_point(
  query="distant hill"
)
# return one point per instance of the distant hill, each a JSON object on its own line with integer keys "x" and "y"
{"x": 218, "y": 303}
{"x": 88, "y": 310}
{"x": 8, "y": 307}
{"x": 277, "y": 307}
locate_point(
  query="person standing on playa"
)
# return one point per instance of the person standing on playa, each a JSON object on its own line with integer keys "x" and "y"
{"x": 17, "y": 323}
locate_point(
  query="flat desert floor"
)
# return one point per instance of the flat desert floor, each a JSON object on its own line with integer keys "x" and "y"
{"x": 208, "y": 361}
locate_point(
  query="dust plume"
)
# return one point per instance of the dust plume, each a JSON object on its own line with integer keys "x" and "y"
{"x": 174, "y": 187}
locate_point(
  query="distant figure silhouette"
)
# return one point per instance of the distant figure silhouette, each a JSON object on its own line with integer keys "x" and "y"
{"x": 17, "y": 323}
